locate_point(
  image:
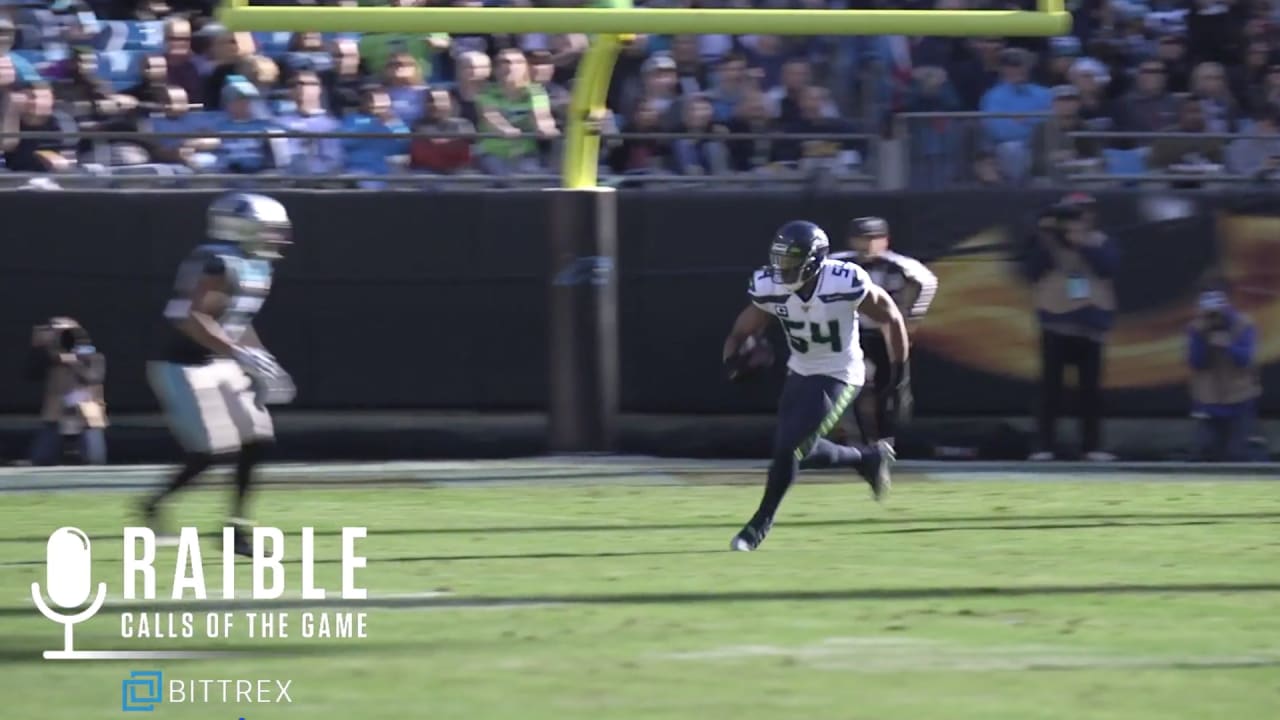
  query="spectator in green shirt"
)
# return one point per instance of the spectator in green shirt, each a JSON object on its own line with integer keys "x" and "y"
{"x": 520, "y": 110}
{"x": 378, "y": 48}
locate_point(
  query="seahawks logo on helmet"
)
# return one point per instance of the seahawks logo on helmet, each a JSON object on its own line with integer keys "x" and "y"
{"x": 257, "y": 223}
{"x": 797, "y": 252}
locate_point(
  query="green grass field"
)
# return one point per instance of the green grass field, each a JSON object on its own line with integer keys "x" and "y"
{"x": 976, "y": 600}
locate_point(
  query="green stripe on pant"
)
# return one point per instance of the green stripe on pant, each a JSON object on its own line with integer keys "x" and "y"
{"x": 837, "y": 410}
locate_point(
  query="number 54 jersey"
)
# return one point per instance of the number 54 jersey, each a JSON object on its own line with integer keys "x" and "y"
{"x": 823, "y": 330}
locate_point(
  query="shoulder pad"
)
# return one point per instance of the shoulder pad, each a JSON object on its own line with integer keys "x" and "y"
{"x": 762, "y": 290}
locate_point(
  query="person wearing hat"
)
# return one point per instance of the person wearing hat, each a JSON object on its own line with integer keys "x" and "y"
{"x": 1225, "y": 382}
{"x": 244, "y": 155}
{"x": 1014, "y": 94}
{"x": 1072, "y": 266}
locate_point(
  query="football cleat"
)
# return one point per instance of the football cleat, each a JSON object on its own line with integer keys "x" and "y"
{"x": 875, "y": 469}
{"x": 750, "y": 536}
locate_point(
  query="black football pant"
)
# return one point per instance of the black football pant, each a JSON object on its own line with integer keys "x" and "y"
{"x": 878, "y": 413}
{"x": 809, "y": 408}
{"x": 1056, "y": 353}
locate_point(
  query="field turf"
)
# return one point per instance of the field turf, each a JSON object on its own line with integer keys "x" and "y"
{"x": 972, "y": 600}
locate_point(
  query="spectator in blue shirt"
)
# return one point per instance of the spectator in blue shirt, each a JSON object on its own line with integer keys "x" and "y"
{"x": 405, "y": 89}
{"x": 244, "y": 155}
{"x": 312, "y": 156}
{"x": 1014, "y": 94}
{"x": 25, "y": 71}
{"x": 369, "y": 155}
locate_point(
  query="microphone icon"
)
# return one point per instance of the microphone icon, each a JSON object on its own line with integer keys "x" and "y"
{"x": 68, "y": 580}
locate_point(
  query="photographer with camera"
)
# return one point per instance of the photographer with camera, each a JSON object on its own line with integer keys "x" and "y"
{"x": 1071, "y": 265}
{"x": 63, "y": 357}
{"x": 1225, "y": 382}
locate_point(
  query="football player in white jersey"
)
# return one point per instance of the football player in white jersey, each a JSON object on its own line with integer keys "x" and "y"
{"x": 817, "y": 300}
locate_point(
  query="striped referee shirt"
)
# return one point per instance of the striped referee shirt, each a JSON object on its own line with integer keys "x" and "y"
{"x": 911, "y": 285}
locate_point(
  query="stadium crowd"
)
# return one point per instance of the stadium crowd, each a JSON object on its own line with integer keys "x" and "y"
{"x": 1207, "y": 69}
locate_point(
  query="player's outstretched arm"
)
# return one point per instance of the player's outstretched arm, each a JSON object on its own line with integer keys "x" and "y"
{"x": 879, "y": 306}
{"x": 751, "y": 322}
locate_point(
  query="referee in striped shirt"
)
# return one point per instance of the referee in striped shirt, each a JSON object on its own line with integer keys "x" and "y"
{"x": 913, "y": 287}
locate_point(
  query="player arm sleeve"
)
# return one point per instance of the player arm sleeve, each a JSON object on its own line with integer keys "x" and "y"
{"x": 179, "y": 308}
{"x": 926, "y": 285}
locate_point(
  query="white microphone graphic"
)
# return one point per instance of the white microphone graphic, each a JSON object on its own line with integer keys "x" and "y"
{"x": 68, "y": 580}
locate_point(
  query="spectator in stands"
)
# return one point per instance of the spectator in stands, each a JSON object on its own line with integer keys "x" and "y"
{"x": 30, "y": 108}
{"x": 344, "y": 81}
{"x": 1053, "y": 141}
{"x": 1072, "y": 265}
{"x": 1063, "y": 53}
{"x": 752, "y": 117}
{"x": 438, "y": 155}
{"x": 1225, "y": 381}
{"x": 25, "y": 71}
{"x": 176, "y": 117}
{"x": 311, "y": 156}
{"x": 377, "y": 49}
{"x": 64, "y": 360}
{"x": 263, "y": 72}
{"x": 978, "y": 70}
{"x": 1258, "y": 156}
{"x": 787, "y": 97}
{"x": 701, "y": 155}
{"x": 658, "y": 84}
{"x": 1014, "y": 94}
{"x": 986, "y": 171}
{"x": 731, "y": 84}
{"x": 1189, "y": 155}
{"x": 179, "y": 59}
{"x": 1267, "y": 92}
{"x": 1247, "y": 79}
{"x": 935, "y": 145}
{"x": 691, "y": 75}
{"x": 1090, "y": 80}
{"x": 89, "y": 97}
{"x": 152, "y": 89}
{"x": 372, "y": 155}
{"x": 306, "y": 53}
{"x": 519, "y": 109}
{"x": 230, "y": 50}
{"x": 543, "y": 71}
{"x": 1172, "y": 51}
{"x": 768, "y": 53}
{"x": 1149, "y": 107}
{"x": 641, "y": 155}
{"x": 473, "y": 71}
{"x": 403, "y": 80}
{"x": 831, "y": 155}
{"x": 1220, "y": 109}
{"x": 244, "y": 155}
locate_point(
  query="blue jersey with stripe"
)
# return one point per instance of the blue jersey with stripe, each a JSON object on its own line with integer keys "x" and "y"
{"x": 822, "y": 330}
{"x": 247, "y": 285}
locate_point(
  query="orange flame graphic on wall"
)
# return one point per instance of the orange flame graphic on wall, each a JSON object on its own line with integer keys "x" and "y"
{"x": 983, "y": 316}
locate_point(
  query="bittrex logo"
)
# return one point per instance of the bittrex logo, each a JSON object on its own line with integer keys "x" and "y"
{"x": 140, "y": 692}
{"x": 143, "y": 690}
{"x": 145, "y": 617}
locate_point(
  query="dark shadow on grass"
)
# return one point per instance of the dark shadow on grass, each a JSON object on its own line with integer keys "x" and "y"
{"x": 734, "y": 524}
{"x": 691, "y": 598}
{"x": 1049, "y": 526}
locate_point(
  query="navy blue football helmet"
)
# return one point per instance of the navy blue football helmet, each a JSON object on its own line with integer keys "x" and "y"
{"x": 797, "y": 252}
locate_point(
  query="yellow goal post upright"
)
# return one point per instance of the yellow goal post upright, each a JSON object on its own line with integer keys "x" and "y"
{"x": 611, "y": 26}
{"x": 583, "y": 384}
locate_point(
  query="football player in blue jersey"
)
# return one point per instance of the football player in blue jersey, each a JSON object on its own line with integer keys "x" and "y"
{"x": 817, "y": 301}
{"x": 215, "y": 379}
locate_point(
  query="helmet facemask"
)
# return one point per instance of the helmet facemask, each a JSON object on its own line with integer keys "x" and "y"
{"x": 791, "y": 269}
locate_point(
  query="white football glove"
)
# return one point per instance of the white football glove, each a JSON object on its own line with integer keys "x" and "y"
{"x": 271, "y": 384}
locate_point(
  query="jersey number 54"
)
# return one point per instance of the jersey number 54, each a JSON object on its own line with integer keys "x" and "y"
{"x": 799, "y": 343}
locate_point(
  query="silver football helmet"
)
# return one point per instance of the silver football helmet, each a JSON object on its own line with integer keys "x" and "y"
{"x": 257, "y": 223}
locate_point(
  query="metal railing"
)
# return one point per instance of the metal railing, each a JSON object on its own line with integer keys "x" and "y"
{"x": 97, "y": 174}
{"x": 941, "y": 149}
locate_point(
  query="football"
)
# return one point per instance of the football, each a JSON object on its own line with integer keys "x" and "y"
{"x": 757, "y": 352}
